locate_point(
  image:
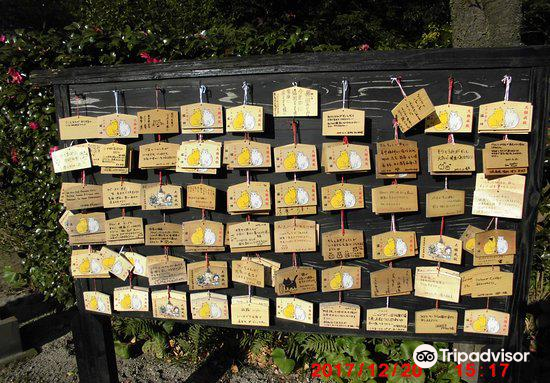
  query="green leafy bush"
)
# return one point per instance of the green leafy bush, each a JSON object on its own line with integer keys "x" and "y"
{"x": 286, "y": 365}
{"x": 100, "y": 32}
{"x": 298, "y": 350}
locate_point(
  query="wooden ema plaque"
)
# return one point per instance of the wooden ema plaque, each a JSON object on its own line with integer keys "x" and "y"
{"x": 295, "y": 101}
{"x": 317, "y": 72}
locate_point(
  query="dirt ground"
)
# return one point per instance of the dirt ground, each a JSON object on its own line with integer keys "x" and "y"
{"x": 56, "y": 363}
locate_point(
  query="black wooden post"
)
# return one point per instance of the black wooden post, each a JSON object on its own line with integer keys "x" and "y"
{"x": 92, "y": 334}
{"x": 94, "y": 346}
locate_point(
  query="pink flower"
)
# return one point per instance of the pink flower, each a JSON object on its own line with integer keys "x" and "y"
{"x": 2, "y": 38}
{"x": 53, "y": 149}
{"x": 364, "y": 47}
{"x": 149, "y": 59}
{"x": 34, "y": 125}
{"x": 16, "y": 77}
{"x": 14, "y": 157}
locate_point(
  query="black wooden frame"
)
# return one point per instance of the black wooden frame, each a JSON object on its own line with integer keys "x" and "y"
{"x": 92, "y": 332}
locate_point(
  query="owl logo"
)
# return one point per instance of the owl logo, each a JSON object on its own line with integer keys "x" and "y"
{"x": 249, "y": 157}
{"x": 296, "y": 196}
{"x": 296, "y": 161}
{"x": 342, "y": 199}
{"x": 341, "y": 281}
{"x": 97, "y": 305}
{"x": 244, "y": 121}
{"x": 131, "y": 302}
{"x": 295, "y": 312}
{"x": 201, "y": 158}
{"x": 451, "y": 121}
{"x": 210, "y": 310}
{"x": 347, "y": 161}
{"x": 202, "y": 118}
{"x": 249, "y": 200}
{"x": 87, "y": 226}
{"x": 499, "y": 119}
{"x": 395, "y": 247}
{"x": 203, "y": 236}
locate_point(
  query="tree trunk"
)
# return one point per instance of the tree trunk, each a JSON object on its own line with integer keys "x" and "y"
{"x": 486, "y": 23}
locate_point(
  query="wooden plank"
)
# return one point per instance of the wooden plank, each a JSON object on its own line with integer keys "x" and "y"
{"x": 434, "y": 59}
{"x": 93, "y": 340}
{"x": 370, "y": 90}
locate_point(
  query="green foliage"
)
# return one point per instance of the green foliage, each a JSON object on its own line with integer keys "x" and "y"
{"x": 198, "y": 341}
{"x": 285, "y": 364}
{"x": 400, "y": 377}
{"x": 101, "y": 32}
{"x": 303, "y": 349}
{"x": 349, "y": 350}
{"x": 13, "y": 278}
{"x": 154, "y": 336}
{"x": 105, "y": 32}
{"x": 256, "y": 340}
{"x": 540, "y": 275}
{"x": 141, "y": 329}
{"x": 123, "y": 350}
{"x": 288, "y": 351}
{"x": 28, "y": 206}
{"x": 535, "y": 28}
{"x": 157, "y": 346}
{"x": 435, "y": 36}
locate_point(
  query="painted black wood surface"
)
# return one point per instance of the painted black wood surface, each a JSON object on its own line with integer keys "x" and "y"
{"x": 477, "y": 75}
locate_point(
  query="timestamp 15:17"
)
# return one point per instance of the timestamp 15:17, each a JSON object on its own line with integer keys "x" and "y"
{"x": 495, "y": 370}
